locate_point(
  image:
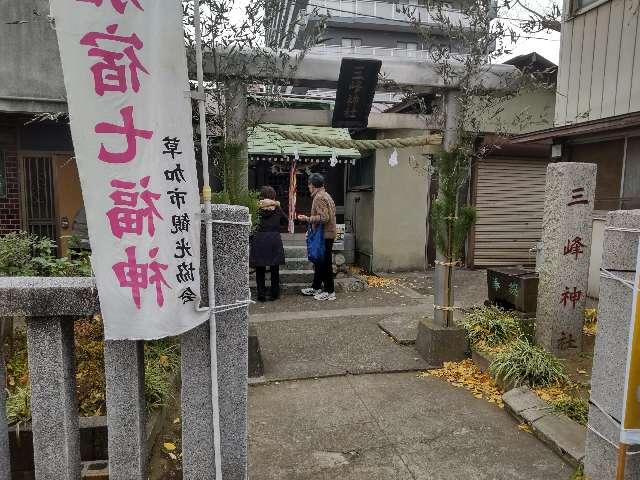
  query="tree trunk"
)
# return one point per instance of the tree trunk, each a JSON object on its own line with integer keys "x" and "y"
{"x": 236, "y": 129}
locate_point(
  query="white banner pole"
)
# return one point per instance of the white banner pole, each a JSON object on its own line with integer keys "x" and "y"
{"x": 206, "y": 195}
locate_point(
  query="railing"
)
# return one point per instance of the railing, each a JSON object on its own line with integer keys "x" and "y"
{"x": 51, "y": 305}
{"x": 338, "y": 50}
{"x": 400, "y": 12}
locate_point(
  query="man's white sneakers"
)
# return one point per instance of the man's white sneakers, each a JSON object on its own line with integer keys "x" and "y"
{"x": 310, "y": 292}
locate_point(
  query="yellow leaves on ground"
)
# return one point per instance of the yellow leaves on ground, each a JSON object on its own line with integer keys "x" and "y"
{"x": 525, "y": 427}
{"x": 467, "y": 375}
{"x": 553, "y": 394}
{"x": 374, "y": 280}
{"x": 590, "y": 322}
{"x": 170, "y": 448}
{"x": 590, "y": 329}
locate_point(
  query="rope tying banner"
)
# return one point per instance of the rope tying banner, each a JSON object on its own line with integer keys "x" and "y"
{"x": 448, "y": 264}
{"x": 362, "y": 145}
{"x": 446, "y": 309}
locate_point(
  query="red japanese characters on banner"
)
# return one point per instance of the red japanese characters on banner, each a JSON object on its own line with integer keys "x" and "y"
{"x": 125, "y": 72}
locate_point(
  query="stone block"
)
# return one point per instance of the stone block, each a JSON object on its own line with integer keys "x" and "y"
{"x": 438, "y": 344}
{"x": 126, "y": 409}
{"x": 54, "y": 405}
{"x": 39, "y": 296}
{"x": 525, "y": 405}
{"x": 402, "y": 328}
{"x": 620, "y": 248}
{"x": 197, "y": 422}
{"x": 612, "y": 344}
{"x": 95, "y": 470}
{"x": 231, "y": 263}
{"x": 5, "y": 457}
{"x": 611, "y": 349}
{"x": 566, "y": 251}
{"x": 513, "y": 288}
{"x": 563, "y": 435}
{"x": 601, "y": 456}
{"x": 350, "y": 284}
{"x": 482, "y": 360}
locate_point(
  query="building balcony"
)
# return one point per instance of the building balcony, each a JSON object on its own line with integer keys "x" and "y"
{"x": 377, "y": 52}
{"x": 384, "y": 11}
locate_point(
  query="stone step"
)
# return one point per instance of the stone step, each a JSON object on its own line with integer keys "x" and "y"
{"x": 285, "y": 288}
{"x": 301, "y": 263}
{"x": 349, "y": 284}
{"x": 291, "y": 276}
{"x": 295, "y": 251}
{"x": 295, "y": 239}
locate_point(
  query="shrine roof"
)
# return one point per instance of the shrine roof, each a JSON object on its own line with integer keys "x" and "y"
{"x": 263, "y": 142}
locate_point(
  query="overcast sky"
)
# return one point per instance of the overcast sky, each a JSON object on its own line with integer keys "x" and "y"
{"x": 546, "y": 44}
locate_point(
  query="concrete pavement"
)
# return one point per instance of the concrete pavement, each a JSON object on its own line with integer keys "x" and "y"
{"x": 388, "y": 426}
{"x": 369, "y": 426}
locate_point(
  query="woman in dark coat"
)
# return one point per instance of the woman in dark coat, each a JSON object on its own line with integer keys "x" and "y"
{"x": 266, "y": 248}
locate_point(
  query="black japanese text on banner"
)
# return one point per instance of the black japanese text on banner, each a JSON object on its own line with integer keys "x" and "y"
{"x": 125, "y": 72}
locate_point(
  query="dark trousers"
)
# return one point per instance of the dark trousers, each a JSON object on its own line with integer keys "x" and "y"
{"x": 323, "y": 272}
{"x": 275, "y": 281}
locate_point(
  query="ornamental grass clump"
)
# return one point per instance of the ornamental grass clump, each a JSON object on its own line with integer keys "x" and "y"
{"x": 526, "y": 364}
{"x": 488, "y": 327}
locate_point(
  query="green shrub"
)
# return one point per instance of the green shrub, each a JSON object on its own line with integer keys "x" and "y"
{"x": 526, "y": 364}
{"x": 25, "y": 254}
{"x": 575, "y": 408}
{"x": 490, "y": 326}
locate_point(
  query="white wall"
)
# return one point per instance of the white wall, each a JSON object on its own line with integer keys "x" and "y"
{"x": 399, "y": 234}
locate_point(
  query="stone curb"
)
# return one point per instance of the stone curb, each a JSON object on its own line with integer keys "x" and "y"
{"x": 565, "y": 436}
{"x": 483, "y": 362}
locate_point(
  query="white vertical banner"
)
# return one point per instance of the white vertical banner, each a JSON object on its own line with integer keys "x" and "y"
{"x": 125, "y": 72}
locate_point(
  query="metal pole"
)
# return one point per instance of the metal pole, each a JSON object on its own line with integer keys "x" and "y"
{"x": 622, "y": 460}
{"x": 206, "y": 196}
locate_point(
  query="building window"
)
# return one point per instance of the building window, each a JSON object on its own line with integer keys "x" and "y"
{"x": 3, "y": 175}
{"x": 351, "y": 42}
{"x": 407, "y": 45}
{"x": 579, "y": 5}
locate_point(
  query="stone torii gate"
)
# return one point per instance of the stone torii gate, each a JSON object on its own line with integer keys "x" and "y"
{"x": 322, "y": 71}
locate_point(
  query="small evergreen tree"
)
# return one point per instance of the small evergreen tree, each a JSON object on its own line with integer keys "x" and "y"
{"x": 450, "y": 220}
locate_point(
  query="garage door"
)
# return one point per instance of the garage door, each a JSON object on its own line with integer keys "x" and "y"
{"x": 510, "y": 204}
